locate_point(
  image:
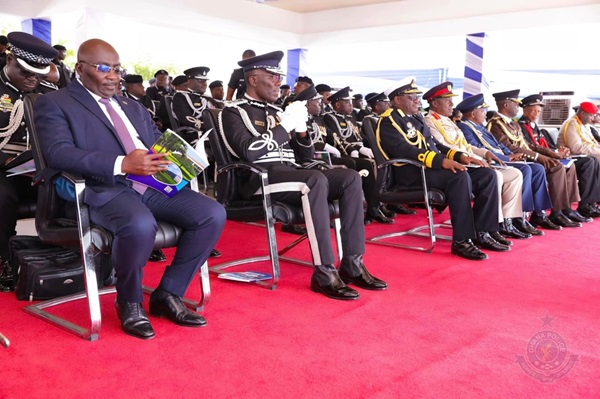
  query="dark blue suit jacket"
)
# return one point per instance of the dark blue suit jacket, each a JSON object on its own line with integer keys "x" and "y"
{"x": 76, "y": 136}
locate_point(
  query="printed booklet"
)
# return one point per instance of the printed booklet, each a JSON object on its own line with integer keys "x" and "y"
{"x": 247, "y": 277}
{"x": 186, "y": 163}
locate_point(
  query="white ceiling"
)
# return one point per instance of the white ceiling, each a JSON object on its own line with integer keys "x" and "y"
{"x": 305, "y": 6}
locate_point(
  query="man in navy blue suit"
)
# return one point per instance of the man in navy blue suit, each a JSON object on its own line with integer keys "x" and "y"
{"x": 87, "y": 129}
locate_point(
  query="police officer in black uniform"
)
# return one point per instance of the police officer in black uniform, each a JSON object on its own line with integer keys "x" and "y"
{"x": 188, "y": 106}
{"x": 216, "y": 93}
{"x": 377, "y": 104}
{"x": 162, "y": 87}
{"x": 402, "y": 133}
{"x": 255, "y": 132}
{"x": 344, "y": 134}
{"x": 27, "y": 64}
{"x": 134, "y": 89}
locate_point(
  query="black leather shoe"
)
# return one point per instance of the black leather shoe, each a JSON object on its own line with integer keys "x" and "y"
{"x": 577, "y": 217}
{"x": 163, "y": 303}
{"x": 541, "y": 220}
{"x": 386, "y": 212}
{"x": 485, "y": 240}
{"x": 297, "y": 229}
{"x": 157, "y": 256}
{"x": 466, "y": 249}
{"x": 524, "y": 226}
{"x": 501, "y": 239}
{"x": 353, "y": 270}
{"x": 326, "y": 280}
{"x": 134, "y": 320}
{"x": 560, "y": 219}
{"x": 588, "y": 211}
{"x": 401, "y": 210}
{"x": 215, "y": 253}
{"x": 377, "y": 216}
{"x": 508, "y": 230}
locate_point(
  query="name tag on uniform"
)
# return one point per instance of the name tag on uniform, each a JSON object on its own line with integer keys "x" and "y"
{"x": 259, "y": 123}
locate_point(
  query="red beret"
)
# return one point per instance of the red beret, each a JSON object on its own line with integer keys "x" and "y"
{"x": 589, "y": 107}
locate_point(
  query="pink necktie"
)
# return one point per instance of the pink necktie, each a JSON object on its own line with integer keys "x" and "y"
{"x": 124, "y": 137}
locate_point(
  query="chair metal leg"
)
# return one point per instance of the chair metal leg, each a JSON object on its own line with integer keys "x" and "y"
{"x": 91, "y": 282}
{"x": 4, "y": 341}
{"x": 271, "y": 240}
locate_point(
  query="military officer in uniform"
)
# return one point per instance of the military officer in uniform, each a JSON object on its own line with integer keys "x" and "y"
{"x": 345, "y": 135}
{"x": 255, "y": 132}
{"x": 510, "y": 180}
{"x": 575, "y": 132}
{"x": 401, "y": 133}
{"x": 535, "y": 189}
{"x": 562, "y": 182}
{"x": 284, "y": 93}
{"x": 162, "y": 87}
{"x": 237, "y": 84}
{"x": 27, "y": 63}
{"x": 587, "y": 168}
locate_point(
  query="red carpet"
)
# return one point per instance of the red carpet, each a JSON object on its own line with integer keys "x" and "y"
{"x": 446, "y": 328}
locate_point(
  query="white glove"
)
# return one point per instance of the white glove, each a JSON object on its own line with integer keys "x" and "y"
{"x": 332, "y": 150}
{"x": 354, "y": 154}
{"x": 367, "y": 152}
{"x": 294, "y": 117}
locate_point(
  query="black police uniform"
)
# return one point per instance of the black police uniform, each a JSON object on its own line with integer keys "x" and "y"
{"x": 343, "y": 134}
{"x": 14, "y": 189}
{"x": 406, "y": 136}
{"x": 237, "y": 82}
{"x": 268, "y": 144}
{"x": 156, "y": 93}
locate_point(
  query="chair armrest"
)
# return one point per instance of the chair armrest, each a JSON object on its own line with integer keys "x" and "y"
{"x": 401, "y": 160}
{"x": 257, "y": 169}
{"x": 73, "y": 177}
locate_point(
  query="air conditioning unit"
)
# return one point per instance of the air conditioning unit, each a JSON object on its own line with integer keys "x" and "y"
{"x": 558, "y": 106}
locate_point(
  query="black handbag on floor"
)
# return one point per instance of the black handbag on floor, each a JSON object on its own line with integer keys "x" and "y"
{"x": 44, "y": 271}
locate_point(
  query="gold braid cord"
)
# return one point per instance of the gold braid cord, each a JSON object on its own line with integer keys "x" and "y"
{"x": 459, "y": 142}
{"x": 14, "y": 121}
{"x": 419, "y": 141}
{"x": 590, "y": 143}
{"x": 518, "y": 140}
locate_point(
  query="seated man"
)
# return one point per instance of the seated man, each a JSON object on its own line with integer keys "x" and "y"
{"x": 587, "y": 168}
{"x": 510, "y": 180}
{"x": 27, "y": 63}
{"x": 161, "y": 88}
{"x": 88, "y": 130}
{"x": 535, "y": 190}
{"x": 562, "y": 182}
{"x": 254, "y": 132}
{"x": 344, "y": 134}
{"x": 217, "y": 93}
{"x": 401, "y": 133}
{"x": 575, "y": 132}
{"x": 189, "y": 105}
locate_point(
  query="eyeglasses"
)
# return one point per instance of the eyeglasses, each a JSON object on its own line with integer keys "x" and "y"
{"x": 273, "y": 77}
{"x": 412, "y": 97}
{"x": 103, "y": 68}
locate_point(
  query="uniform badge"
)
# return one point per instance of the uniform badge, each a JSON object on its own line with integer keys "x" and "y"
{"x": 259, "y": 123}
{"x": 411, "y": 132}
{"x": 6, "y": 104}
{"x": 343, "y": 124}
{"x": 197, "y": 104}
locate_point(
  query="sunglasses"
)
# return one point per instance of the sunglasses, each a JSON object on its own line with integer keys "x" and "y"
{"x": 27, "y": 74}
{"x": 103, "y": 68}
